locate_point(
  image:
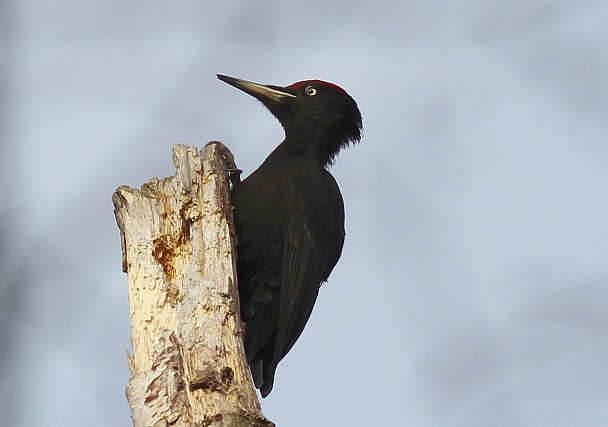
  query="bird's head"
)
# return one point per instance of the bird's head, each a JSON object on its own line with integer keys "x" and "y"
{"x": 319, "y": 118}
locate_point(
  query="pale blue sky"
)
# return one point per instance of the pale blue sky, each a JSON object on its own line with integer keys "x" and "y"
{"x": 473, "y": 287}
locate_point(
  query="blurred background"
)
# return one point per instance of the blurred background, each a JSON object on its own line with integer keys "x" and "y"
{"x": 473, "y": 287}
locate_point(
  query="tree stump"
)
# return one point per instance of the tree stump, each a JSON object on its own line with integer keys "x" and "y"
{"x": 178, "y": 243}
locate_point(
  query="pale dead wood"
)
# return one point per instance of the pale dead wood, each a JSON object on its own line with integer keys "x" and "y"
{"x": 188, "y": 364}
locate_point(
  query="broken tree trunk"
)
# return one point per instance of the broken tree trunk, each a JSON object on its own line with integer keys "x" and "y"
{"x": 188, "y": 364}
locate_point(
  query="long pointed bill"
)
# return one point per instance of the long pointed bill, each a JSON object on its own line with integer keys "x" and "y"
{"x": 261, "y": 92}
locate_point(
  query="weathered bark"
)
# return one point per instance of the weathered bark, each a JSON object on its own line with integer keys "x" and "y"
{"x": 188, "y": 364}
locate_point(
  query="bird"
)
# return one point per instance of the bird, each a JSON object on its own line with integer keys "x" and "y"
{"x": 289, "y": 217}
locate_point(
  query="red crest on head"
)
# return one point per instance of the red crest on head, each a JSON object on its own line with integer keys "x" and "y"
{"x": 332, "y": 86}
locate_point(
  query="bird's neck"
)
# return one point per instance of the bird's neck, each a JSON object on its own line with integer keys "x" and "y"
{"x": 319, "y": 148}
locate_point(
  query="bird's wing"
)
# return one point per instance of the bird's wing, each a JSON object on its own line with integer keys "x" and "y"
{"x": 305, "y": 265}
{"x": 300, "y": 281}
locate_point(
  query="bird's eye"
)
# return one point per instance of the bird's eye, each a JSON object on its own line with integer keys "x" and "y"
{"x": 310, "y": 91}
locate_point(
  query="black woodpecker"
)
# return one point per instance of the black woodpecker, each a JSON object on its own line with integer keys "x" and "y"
{"x": 289, "y": 217}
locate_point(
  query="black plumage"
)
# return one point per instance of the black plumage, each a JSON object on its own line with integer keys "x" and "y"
{"x": 289, "y": 217}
